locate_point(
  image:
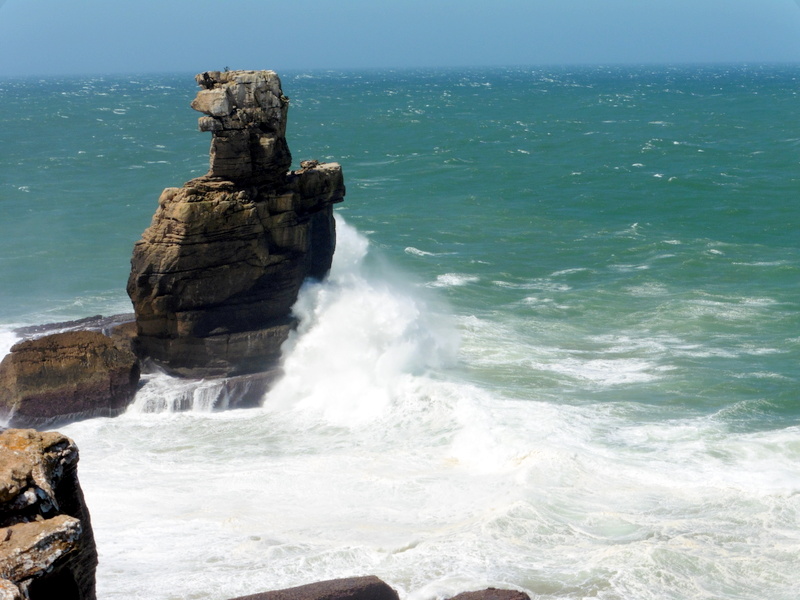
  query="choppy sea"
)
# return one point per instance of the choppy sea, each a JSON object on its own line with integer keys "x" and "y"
{"x": 559, "y": 349}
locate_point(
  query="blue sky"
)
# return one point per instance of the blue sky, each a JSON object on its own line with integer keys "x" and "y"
{"x": 46, "y": 37}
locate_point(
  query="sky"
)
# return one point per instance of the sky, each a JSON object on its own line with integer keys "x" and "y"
{"x": 68, "y": 37}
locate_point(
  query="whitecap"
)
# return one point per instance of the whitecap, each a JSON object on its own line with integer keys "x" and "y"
{"x": 453, "y": 280}
{"x": 569, "y": 271}
{"x": 629, "y": 268}
{"x": 417, "y": 252}
{"x": 759, "y": 301}
{"x": 766, "y": 263}
{"x": 648, "y": 290}
{"x": 607, "y": 371}
{"x": 761, "y": 375}
{"x": 545, "y": 285}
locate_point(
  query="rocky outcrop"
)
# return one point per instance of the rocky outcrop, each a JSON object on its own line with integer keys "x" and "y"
{"x": 215, "y": 275}
{"x": 367, "y": 588}
{"x": 492, "y": 594}
{"x": 47, "y": 548}
{"x": 351, "y": 588}
{"x": 67, "y": 376}
{"x": 246, "y": 113}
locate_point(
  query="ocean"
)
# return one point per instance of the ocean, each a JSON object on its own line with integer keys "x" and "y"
{"x": 557, "y": 352}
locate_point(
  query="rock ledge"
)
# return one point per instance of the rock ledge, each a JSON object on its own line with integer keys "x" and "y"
{"x": 47, "y": 548}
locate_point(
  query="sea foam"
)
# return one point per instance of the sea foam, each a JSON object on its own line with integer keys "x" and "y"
{"x": 358, "y": 335}
{"x": 7, "y": 339}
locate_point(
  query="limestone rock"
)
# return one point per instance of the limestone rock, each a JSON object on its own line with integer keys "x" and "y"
{"x": 32, "y": 548}
{"x": 351, "y": 588}
{"x": 247, "y": 115}
{"x": 47, "y": 548}
{"x": 66, "y": 376}
{"x": 9, "y": 591}
{"x": 215, "y": 275}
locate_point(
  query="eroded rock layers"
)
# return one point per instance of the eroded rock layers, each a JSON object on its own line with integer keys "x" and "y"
{"x": 65, "y": 377}
{"x": 215, "y": 275}
{"x": 47, "y": 548}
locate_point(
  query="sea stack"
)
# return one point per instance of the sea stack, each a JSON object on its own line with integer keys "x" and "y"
{"x": 214, "y": 277}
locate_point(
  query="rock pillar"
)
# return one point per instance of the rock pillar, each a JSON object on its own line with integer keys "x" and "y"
{"x": 214, "y": 277}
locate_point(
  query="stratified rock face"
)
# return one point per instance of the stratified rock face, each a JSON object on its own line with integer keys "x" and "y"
{"x": 350, "y": 588}
{"x": 66, "y": 376}
{"x": 47, "y": 548}
{"x": 215, "y": 275}
{"x": 246, "y": 112}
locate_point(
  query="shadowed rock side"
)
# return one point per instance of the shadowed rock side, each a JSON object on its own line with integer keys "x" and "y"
{"x": 47, "y": 548}
{"x": 65, "y": 377}
{"x": 350, "y": 588}
{"x": 492, "y": 594}
{"x": 215, "y": 275}
{"x": 367, "y": 588}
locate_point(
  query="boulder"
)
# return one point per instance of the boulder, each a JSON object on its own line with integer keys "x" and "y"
{"x": 67, "y": 376}
{"x": 492, "y": 594}
{"x": 47, "y": 547}
{"x": 214, "y": 277}
{"x": 351, "y": 588}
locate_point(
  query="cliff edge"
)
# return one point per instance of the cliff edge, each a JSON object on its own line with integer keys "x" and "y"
{"x": 47, "y": 547}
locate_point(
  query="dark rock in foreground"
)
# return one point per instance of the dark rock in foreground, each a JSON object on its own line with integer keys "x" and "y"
{"x": 214, "y": 277}
{"x": 47, "y": 547}
{"x": 351, "y": 588}
{"x": 367, "y": 588}
{"x": 65, "y": 377}
{"x": 492, "y": 594}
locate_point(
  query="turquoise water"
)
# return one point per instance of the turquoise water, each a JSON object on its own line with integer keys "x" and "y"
{"x": 558, "y": 351}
